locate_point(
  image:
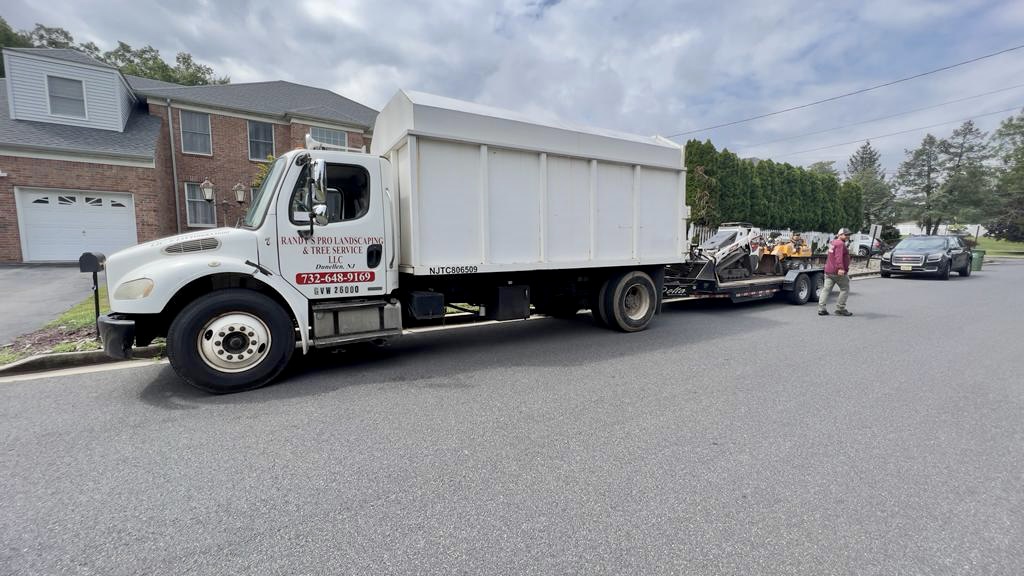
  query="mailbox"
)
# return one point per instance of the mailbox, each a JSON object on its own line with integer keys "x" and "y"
{"x": 91, "y": 262}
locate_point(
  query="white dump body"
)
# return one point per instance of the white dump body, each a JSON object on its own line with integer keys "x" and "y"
{"x": 486, "y": 190}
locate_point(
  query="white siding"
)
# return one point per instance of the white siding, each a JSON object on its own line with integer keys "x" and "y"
{"x": 124, "y": 97}
{"x": 104, "y": 92}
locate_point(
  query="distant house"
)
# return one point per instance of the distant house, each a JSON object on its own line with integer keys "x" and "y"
{"x": 908, "y": 228}
{"x": 93, "y": 159}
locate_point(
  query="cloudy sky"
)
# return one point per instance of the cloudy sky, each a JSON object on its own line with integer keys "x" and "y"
{"x": 642, "y": 67}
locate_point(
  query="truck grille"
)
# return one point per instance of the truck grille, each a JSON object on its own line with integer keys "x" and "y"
{"x": 912, "y": 259}
{"x": 189, "y": 246}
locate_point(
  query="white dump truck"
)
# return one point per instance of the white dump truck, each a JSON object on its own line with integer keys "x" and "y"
{"x": 456, "y": 204}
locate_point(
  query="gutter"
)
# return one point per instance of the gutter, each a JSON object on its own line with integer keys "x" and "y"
{"x": 85, "y": 155}
{"x": 174, "y": 166}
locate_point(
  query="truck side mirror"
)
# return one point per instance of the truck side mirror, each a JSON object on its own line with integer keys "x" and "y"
{"x": 319, "y": 182}
{"x": 320, "y": 215}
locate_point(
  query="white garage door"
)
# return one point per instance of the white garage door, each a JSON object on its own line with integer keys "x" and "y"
{"x": 58, "y": 225}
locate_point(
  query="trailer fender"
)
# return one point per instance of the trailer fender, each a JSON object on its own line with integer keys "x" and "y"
{"x": 787, "y": 282}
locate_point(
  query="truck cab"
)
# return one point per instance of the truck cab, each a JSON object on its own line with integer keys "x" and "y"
{"x": 313, "y": 263}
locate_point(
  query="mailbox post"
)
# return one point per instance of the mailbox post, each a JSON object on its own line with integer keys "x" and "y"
{"x": 93, "y": 262}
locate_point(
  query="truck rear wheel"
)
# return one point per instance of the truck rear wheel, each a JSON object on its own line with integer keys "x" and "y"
{"x": 230, "y": 341}
{"x": 630, "y": 301}
{"x": 801, "y": 290}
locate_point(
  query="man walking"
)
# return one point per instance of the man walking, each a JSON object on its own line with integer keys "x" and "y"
{"x": 837, "y": 273}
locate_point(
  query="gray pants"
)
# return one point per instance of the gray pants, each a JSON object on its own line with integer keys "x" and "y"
{"x": 844, "y": 290}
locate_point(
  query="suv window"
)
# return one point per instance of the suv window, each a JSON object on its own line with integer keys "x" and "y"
{"x": 954, "y": 243}
{"x": 348, "y": 193}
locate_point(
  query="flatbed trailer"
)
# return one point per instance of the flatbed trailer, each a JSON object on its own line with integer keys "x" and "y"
{"x": 801, "y": 281}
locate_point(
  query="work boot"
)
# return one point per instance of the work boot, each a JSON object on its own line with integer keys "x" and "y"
{"x": 844, "y": 313}
{"x": 823, "y": 312}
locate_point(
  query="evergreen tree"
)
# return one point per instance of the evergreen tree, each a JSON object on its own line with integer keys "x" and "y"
{"x": 878, "y": 200}
{"x": 826, "y": 167}
{"x": 701, "y": 182}
{"x": 966, "y": 194}
{"x": 919, "y": 179}
{"x": 1008, "y": 142}
{"x": 866, "y": 160}
{"x": 851, "y": 205}
{"x": 760, "y": 208}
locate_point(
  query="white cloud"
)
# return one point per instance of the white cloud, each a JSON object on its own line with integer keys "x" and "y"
{"x": 636, "y": 67}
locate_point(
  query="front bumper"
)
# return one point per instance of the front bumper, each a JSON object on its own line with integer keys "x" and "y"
{"x": 926, "y": 268}
{"x": 118, "y": 335}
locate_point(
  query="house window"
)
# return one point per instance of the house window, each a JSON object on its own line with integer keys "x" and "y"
{"x": 329, "y": 136}
{"x": 67, "y": 96}
{"x": 261, "y": 140}
{"x": 195, "y": 132}
{"x": 201, "y": 214}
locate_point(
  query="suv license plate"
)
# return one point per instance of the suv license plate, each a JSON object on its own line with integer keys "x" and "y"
{"x": 905, "y": 267}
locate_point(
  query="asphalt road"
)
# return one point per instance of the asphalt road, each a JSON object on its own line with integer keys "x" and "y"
{"x": 33, "y": 295}
{"x": 749, "y": 439}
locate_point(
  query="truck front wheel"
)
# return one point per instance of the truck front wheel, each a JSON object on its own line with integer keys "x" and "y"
{"x": 630, "y": 301}
{"x": 230, "y": 341}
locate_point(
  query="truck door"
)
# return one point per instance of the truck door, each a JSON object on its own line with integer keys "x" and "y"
{"x": 345, "y": 257}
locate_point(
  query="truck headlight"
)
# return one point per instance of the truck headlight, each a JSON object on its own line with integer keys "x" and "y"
{"x": 935, "y": 257}
{"x": 134, "y": 289}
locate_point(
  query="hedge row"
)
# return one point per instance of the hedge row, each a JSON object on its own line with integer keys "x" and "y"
{"x": 720, "y": 187}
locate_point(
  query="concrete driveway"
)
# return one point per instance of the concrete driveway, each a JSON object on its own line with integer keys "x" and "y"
{"x": 34, "y": 295}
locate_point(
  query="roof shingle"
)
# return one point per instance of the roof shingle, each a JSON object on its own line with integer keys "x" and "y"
{"x": 276, "y": 98}
{"x": 66, "y": 54}
{"x": 137, "y": 142}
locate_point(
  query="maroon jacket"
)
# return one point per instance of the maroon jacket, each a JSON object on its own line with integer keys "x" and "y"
{"x": 838, "y": 258}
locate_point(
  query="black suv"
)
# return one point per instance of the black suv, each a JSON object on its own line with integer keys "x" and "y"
{"x": 933, "y": 255}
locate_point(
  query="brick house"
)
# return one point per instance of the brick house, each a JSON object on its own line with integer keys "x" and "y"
{"x": 93, "y": 159}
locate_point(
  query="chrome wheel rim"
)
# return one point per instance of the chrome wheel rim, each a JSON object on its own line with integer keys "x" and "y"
{"x": 233, "y": 342}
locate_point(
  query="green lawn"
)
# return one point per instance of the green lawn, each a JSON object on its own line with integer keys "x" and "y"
{"x": 993, "y": 247}
{"x": 82, "y": 314}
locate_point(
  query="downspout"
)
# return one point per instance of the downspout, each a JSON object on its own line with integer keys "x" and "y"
{"x": 174, "y": 166}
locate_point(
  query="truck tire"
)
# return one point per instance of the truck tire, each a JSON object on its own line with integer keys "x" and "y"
{"x": 630, "y": 301}
{"x": 230, "y": 341}
{"x": 801, "y": 291}
{"x": 817, "y": 283}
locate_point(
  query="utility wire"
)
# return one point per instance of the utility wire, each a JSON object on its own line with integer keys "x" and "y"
{"x": 900, "y": 132}
{"x": 879, "y": 119}
{"x": 855, "y": 92}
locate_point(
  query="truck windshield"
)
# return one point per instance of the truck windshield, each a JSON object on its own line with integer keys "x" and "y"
{"x": 261, "y": 200}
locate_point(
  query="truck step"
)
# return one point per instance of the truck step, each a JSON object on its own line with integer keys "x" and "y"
{"x": 340, "y": 322}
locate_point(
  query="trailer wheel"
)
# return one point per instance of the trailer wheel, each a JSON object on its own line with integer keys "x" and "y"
{"x": 630, "y": 301}
{"x": 230, "y": 341}
{"x": 801, "y": 290}
{"x": 818, "y": 283}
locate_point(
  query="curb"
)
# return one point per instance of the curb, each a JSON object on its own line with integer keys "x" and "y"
{"x": 61, "y": 360}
